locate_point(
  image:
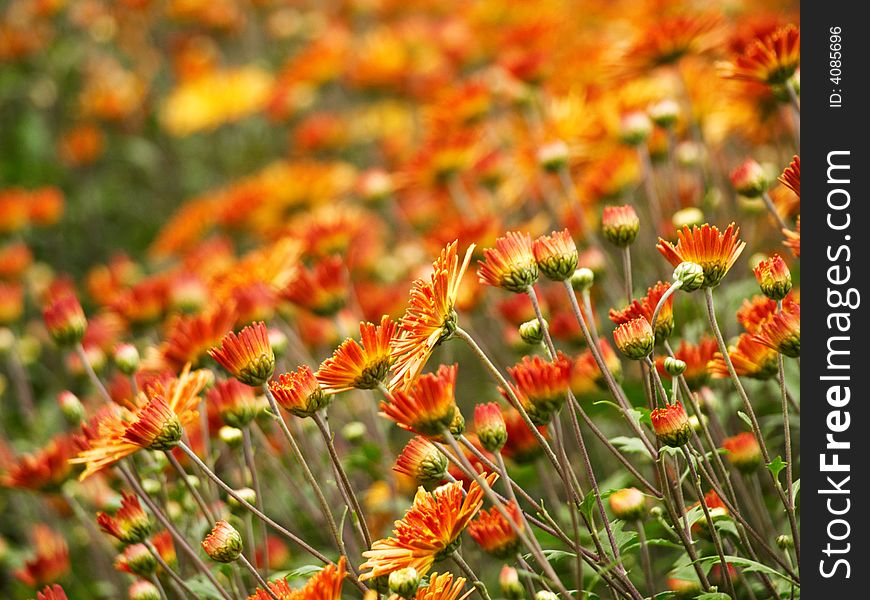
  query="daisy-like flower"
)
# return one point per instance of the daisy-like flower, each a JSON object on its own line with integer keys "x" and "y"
{"x": 791, "y": 176}
{"x": 773, "y": 277}
{"x": 422, "y": 460}
{"x": 430, "y": 318}
{"x": 619, "y": 225}
{"x": 715, "y": 251}
{"x": 556, "y": 255}
{"x": 443, "y": 587}
{"x": 753, "y": 313}
{"x": 696, "y": 357}
{"x": 65, "y": 320}
{"x": 671, "y": 425}
{"x": 542, "y": 385}
{"x": 235, "y": 402}
{"x": 771, "y": 60}
{"x": 130, "y": 524}
{"x": 51, "y": 592}
{"x": 428, "y": 532}
{"x": 322, "y": 290}
{"x": 50, "y": 559}
{"x": 157, "y": 423}
{"x": 356, "y": 365}
{"x": 188, "y": 338}
{"x": 299, "y": 392}
{"x": 667, "y": 40}
{"x": 645, "y": 307}
{"x": 742, "y": 451}
{"x": 749, "y": 357}
{"x": 635, "y": 338}
{"x": 248, "y": 355}
{"x": 223, "y": 544}
{"x": 511, "y": 265}
{"x": 45, "y": 470}
{"x": 324, "y": 585}
{"x": 428, "y": 407}
{"x": 494, "y": 534}
{"x": 793, "y": 238}
{"x": 782, "y": 332}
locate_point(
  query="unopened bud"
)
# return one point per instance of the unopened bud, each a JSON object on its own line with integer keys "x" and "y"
{"x": 231, "y": 436}
{"x": 546, "y": 595}
{"x": 785, "y": 542}
{"x": 354, "y": 432}
{"x": 278, "y": 341}
{"x": 688, "y": 217}
{"x": 635, "y": 128}
{"x": 247, "y": 494}
{"x": 674, "y": 366}
{"x": 509, "y": 583}
{"x": 664, "y": 113}
{"x": 582, "y": 279}
{"x": 126, "y": 358}
{"x": 151, "y": 486}
{"x": 144, "y": 590}
{"x": 553, "y": 156}
{"x": 138, "y": 560}
{"x": 531, "y": 332}
{"x": 690, "y": 275}
{"x": 71, "y": 407}
{"x": 628, "y": 504}
{"x": 224, "y": 543}
{"x": 404, "y": 582}
{"x": 749, "y": 179}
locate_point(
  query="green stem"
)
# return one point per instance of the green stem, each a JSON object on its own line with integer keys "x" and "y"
{"x": 472, "y": 578}
{"x": 248, "y": 451}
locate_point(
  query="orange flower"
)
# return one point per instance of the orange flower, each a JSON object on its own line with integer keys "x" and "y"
{"x": 743, "y": 451}
{"x": 586, "y": 376}
{"x": 671, "y": 425}
{"x": 158, "y": 424}
{"x": 430, "y": 318}
{"x": 771, "y": 60}
{"x": 620, "y": 225}
{"x": 443, "y": 587}
{"x": 667, "y": 40}
{"x": 421, "y": 460}
{"x": 322, "y": 290}
{"x": 299, "y": 392}
{"x": 556, "y": 255}
{"x": 247, "y": 356}
{"x": 756, "y": 311}
{"x": 428, "y": 532}
{"x": 494, "y": 534}
{"x": 749, "y": 357}
{"x": 223, "y": 544}
{"x": 235, "y": 402}
{"x": 46, "y": 469}
{"x": 359, "y": 366}
{"x": 51, "y": 592}
{"x": 428, "y": 407}
{"x": 50, "y": 560}
{"x": 782, "y": 332}
{"x": 65, "y": 320}
{"x": 635, "y": 338}
{"x": 696, "y": 357}
{"x": 773, "y": 277}
{"x": 791, "y": 176}
{"x": 11, "y": 302}
{"x": 511, "y": 265}
{"x": 325, "y": 585}
{"x": 542, "y": 385}
{"x": 645, "y": 307}
{"x": 130, "y": 524}
{"x": 793, "y": 238}
{"x": 522, "y": 445}
{"x": 716, "y": 252}
{"x": 188, "y": 338}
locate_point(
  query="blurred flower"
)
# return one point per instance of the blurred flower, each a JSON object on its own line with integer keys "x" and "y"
{"x": 542, "y": 386}
{"x": 628, "y": 504}
{"x": 696, "y": 357}
{"x": 188, "y": 338}
{"x": 742, "y": 451}
{"x": 234, "y": 401}
{"x": 749, "y": 357}
{"x": 51, "y": 592}
{"x": 65, "y": 320}
{"x": 322, "y": 290}
{"x": 130, "y": 524}
{"x": 494, "y": 534}
{"x": 81, "y": 145}
{"x": 45, "y": 470}
{"x": 645, "y": 307}
{"x": 771, "y": 60}
{"x": 50, "y": 560}
{"x": 782, "y": 332}
{"x": 793, "y": 238}
{"x": 356, "y": 365}
{"x": 791, "y": 176}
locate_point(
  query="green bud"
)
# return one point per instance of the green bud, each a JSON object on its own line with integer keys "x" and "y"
{"x": 582, "y": 279}
{"x": 690, "y": 275}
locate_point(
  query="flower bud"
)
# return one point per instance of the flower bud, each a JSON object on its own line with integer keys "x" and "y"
{"x": 247, "y": 494}
{"x": 553, "y": 156}
{"x": 231, "y": 436}
{"x": 785, "y": 542}
{"x": 634, "y": 128}
{"x": 546, "y": 595}
{"x": 749, "y": 179}
{"x": 278, "y": 341}
{"x": 674, "y": 366}
{"x": 743, "y": 451}
{"x": 635, "y": 338}
{"x": 137, "y": 559}
{"x": 671, "y": 425}
{"x": 664, "y": 113}
{"x": 65, "y": 320}
{"x": 556, "y": 255}
{"x": 582, "y": 279}
{"x": 126, "y": 358}
{"x": 144, "y": 590}
{"x": 223, "y": 544}
{"x": 531, "y": 332}
{"x": 688, "y": 217}
{"x": 7, "y": 340}
{"x": 422, "y": 460}
{"x": 509, "y": 583}
{"x": 628, "y": 504}
{"x": 71, "y": 407}
{"x": 151, "y": 486}
{"x": 375, "y": 186}
{"x": 690, "y": 275}
{"x": 696, "y": 423}
{"x": 619, "y": 225}
{"x": 490, "y": 427}
{"x": 404, "y": 582}
{"x": 773, "y": 277}
{"x": 354, "y": 432}
{"x": 690, "y": 154}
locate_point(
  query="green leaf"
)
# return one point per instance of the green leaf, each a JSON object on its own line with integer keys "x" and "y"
{"x": 621, "y": 537}
{"x": 630, "y": 444}
{"x": 713, "y": 596}
{"x": 589, "y": 502}
{"x": 557, "y": 555}
{"x": 298, "y": 573}
{"x": 745, "y": 418}
{"x": 203, "y": 588}
{"x": 795, "y": 490}
{"x": 775, "y": 466}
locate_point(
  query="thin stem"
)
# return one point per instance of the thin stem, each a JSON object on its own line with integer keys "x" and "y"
{"x": 789, "y": 481}
{"x": 200, "y": 502}
{"x": 156, "y": 583}
{"x": 645, "y": 558}
{"x": 771, "y": 208}
{"x": 257, "y": 576}
{"x": 248, "y": 451}
{"x": 650, "y": 186}
{"x": 587, "y": 306}
{"x": 354, "y": 506}
{"x": 626, "y": 269}
{"x": 92, "y": 375}
{"x": 175, "y": 578}
{"x": 475, "y": 581}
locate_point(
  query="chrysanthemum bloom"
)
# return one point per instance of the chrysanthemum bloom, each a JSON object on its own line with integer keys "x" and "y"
{"x": 749, "y": 179}
{"x": 189, "y": 337}
{"x": 247, "y": 356}
{"x": 428, "y": 532}
{"x": 428, "y": 407}
{"x": 224, "y": 543}
{"x": 791, "y": 176}
{"x": 667, "y": 40}
{"x": 143, "y": 590}
{"x": 619, "y": 225}
{"x": 635, "y": 338}
{"x": 773, "y": 277}
{"x": 494, "y": 534}
{"x": 422, "y": 460}
{"x": 235, "y": 402}
{"x": 299, "y": 392}
{"x": 715, "y": 251}
{"x": 51, "y": 592}
{"x": 772, "y": 60}
{"x": 793, "y": 238}
{"x": 44, "y": 470}
{"x": 542, "y": 385}
{"x": 130, "y": 524}
{"x": 163, "y": 543}
{"x": 645, "y": 307}
{"x": 11, "y": 302}
{"x": 489, "y": 426}
{"x": 50, "y": 560}
{"x": 743, "y": 451}
{"x": 430, "y": 318}
{"x": 782, "y": 332}
{"x": 510, "y": 265}
{"x": 556, "y": 255}
{"x": 324, "y": 585}
{"x": 322, "y": 290}
{"x": 356, "y": 365}
{"x": 65, "y": 320}
{"x": 756, "y": 311}
{"x": 696, "y": 357}
{"x": 136, "y": 559}
{"x": 749, "y": 357}
{"x": 443, "y": 587}
{"x": 671, "y": 425}
{"x": 628, "y": 504}
{"x": 156, "y": 424}
{"x": 522, "y": 446}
